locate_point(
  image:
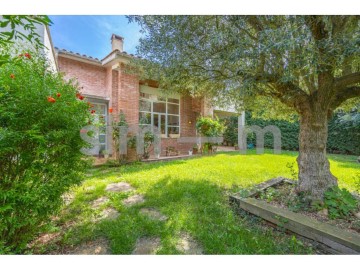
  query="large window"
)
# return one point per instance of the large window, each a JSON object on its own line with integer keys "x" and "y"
{"x": 163, "y": 113}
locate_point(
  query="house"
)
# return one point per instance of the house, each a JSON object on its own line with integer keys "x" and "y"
{"x": 106, "y": 85}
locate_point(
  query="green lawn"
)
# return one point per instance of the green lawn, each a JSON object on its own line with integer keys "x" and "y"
{"x": 194, "y": 195}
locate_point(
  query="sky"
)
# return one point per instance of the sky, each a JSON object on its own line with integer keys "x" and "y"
{"x": 91, "y": 34}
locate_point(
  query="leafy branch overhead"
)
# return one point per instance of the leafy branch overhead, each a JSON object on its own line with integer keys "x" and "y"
{"x": 20, "y": 27}
{"x": 294, "y": 59}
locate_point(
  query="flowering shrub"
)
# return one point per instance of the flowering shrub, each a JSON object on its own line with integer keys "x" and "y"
{"x": 40, "y": 158}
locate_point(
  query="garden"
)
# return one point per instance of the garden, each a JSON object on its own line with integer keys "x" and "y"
{"x": 55, "y": 201}
{"x": 178, "y": 207}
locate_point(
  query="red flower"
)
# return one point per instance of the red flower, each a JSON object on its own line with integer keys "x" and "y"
{"x": 81, "y": 97}
{"x": 12, "y": 76}
{"x": 27, "y": 55}
{"x": 58, "y": 95}
{"x": 110, "y": 110}
{"x": 93, "y": 111}
{"x": 51, "y": 99}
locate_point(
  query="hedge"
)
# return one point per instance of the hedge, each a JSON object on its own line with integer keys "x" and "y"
{"x": 343, "y": 136}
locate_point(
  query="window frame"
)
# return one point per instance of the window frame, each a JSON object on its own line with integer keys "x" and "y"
{"x": 166, "y": 114}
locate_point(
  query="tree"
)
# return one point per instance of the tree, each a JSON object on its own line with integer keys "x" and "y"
{"x": 307, "y": 65}
{"x": 23, "y": 27}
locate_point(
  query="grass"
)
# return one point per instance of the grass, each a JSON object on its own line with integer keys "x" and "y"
{"x": 194, "y": 195}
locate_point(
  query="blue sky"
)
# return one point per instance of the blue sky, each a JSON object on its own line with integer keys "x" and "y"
{"x": 90, "y": 35}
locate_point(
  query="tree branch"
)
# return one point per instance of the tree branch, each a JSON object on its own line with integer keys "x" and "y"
{"x": 345, "y": 94}
{"x": 347, "y": 80}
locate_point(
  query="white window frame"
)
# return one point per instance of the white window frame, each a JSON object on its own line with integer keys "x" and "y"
{"x": 166, "y": 135}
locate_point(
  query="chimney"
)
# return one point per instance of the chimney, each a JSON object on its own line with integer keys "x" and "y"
{"x": 117, "y": 43}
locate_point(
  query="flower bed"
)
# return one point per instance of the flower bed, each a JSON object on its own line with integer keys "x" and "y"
{"x": 274, "y": 201}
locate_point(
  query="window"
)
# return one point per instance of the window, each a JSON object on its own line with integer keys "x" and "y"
{"x": 101, "y": 116}
{"x": 163, "y": 113}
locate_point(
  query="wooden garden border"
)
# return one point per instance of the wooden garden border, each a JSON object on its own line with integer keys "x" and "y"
{"x": 340, "y": 241}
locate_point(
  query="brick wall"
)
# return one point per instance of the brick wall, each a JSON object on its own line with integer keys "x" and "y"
{"x": 123, "y": 90}
{"x": 129, "y": 95}
{"x": 91, "y": 78}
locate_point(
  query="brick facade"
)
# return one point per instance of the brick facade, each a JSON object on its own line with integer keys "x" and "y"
{"x": 108, "y": 81}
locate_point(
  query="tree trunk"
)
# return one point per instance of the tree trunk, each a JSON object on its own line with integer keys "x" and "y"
{"x": 314, "y": 168}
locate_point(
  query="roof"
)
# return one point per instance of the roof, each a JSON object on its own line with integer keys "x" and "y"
{"x": 92, "y": 59}
{"x": 83, "y": 56}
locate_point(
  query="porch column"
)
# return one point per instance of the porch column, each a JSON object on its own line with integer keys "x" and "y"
{"x": 242, "y": 133}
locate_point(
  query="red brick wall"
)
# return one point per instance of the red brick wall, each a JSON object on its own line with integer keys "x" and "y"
{"x": 92, "y": 78}
{"x": 123, "y": 91}
{"x": 129, "y": 95}
{"x": 187, "y": 117}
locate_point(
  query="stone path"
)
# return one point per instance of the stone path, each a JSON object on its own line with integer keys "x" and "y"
{"x": 153, "y": 214}
{"x": 68, "y": 198}
{"x": 100, "y": 201}
{"x": 99, "y": 246}
{"x": 135, "y": 199}
{"x": 119, "y": 187}
{"x": 188, "y": 245}
{"x": 109, "y": 213}
{"x": 147, "y": 246}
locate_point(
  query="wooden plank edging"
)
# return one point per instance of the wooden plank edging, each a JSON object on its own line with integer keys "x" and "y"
{"x": 342, "y": 241}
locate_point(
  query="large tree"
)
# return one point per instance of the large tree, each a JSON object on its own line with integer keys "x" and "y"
{"x": 304, "y": 65}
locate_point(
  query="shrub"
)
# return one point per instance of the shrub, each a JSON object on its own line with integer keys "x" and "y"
{"x": 209, "y": 127}
{"x": 40, "y": 143}
{"x": 339, "y": 202}
{"x": 343, "y": 133}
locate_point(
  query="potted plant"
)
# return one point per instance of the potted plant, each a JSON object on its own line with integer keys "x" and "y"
{"x": 105, "y": 153}
{"x": 131, "y": 149}
{"x": 195, "y": 149}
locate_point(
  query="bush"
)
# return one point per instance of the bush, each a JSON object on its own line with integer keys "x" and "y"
{"x": 208, "y": 127}
{"x": 40, "y": 143}
{"x": 339, "y": 202}
{"x": 342, "y": 139}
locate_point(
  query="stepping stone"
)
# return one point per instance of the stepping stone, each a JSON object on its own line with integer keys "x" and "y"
{"x": 119, "y": 187}
{"x": 68, "y": 198}
{"x": 97, "y": 247}
{"x": 110, "y": 213}
{"x": 147, "y": 246}
{"x": 100, "y": 201}
{"x": 188, "y": 245}
{"x": 153, "y": 214}
{"x": 134, "y": 200}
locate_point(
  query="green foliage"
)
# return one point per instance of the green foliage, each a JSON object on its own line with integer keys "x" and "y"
{"x": 209, "y": 127}
{"x": 339, "y": 202}
{"x": 40, "y": 145}
{"x": 15, "y": 25}
{"x": 269, "y": 194}
{"x": 343, "y": 133}
{"x": 236, "y": 58}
